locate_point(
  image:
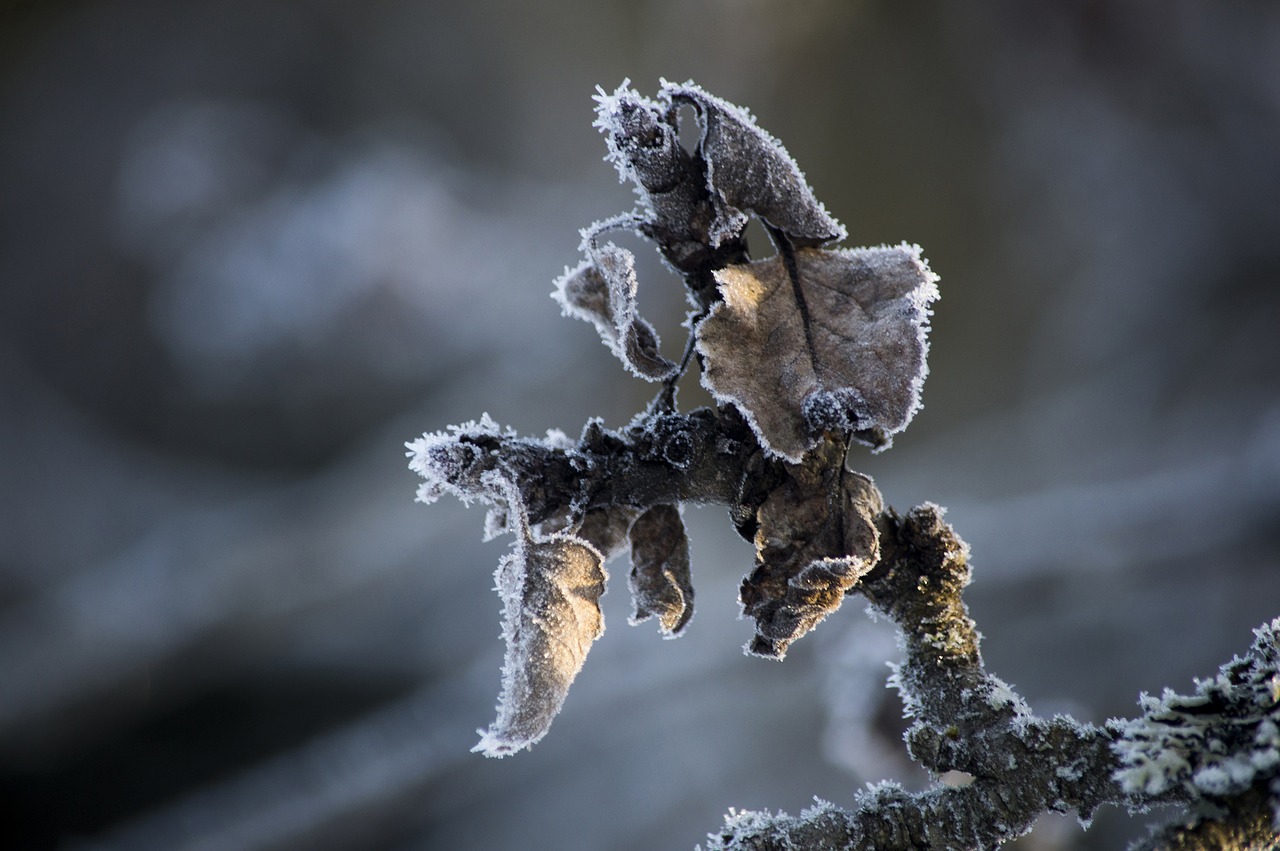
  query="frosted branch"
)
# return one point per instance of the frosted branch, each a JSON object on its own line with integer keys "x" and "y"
{"x": 807, "y": 353}
{"x": 1024, "y": 765}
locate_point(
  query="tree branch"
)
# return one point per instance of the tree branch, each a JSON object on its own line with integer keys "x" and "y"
{"x": 1024, "y": 765}
{"x": 803, "y": 357}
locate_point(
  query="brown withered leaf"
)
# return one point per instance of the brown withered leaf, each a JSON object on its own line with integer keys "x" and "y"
{"x": 749, "y": 171}
{"x": 606, "y": 528}
{"x": 660, "y": 581}
{"x": 817, "y": 537}
{"x": 551, "y": 593}
{"x": 550, "y": 588}
{"x": 842, "y": 347}
{"x": 602, "y": 290}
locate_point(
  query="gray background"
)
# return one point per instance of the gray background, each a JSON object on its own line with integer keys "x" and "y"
{"x": 249, "y": 249}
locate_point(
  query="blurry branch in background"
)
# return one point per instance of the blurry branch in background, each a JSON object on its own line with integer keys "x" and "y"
{"x": 806, "y": 353}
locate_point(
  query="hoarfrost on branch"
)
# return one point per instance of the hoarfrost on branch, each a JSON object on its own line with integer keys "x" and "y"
{"x": 806, "y": 352}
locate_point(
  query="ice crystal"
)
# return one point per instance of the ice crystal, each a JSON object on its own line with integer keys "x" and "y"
{"x": 1219, "y": 741}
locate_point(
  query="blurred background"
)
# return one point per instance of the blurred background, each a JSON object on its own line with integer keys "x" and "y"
{"x": 248, "y": 249}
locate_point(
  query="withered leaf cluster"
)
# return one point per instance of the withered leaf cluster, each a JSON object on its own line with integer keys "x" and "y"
{"x": 805, "y": 351}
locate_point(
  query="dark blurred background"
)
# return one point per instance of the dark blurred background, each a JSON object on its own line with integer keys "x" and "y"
{"x": 248, "y": 249}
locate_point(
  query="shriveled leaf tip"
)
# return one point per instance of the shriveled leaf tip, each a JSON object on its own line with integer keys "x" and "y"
{"x": 602, "y": 290}
{"x": 817, "y": 537}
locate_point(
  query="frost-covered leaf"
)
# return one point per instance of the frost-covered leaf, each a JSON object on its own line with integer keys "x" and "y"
{"x": 550, "y": 589}
{"x": 842, "y": 347}
{"x": 635, "y": 131}
{"x": 749, "y": 171}
{"x": 644, "y": 146}
{"x": 816, "y": 538}
{"x": 602, "y": 291}
{"x": 551, "y": 593}
{"x": 660, "y": 581}
{"x": 606, "y": 528}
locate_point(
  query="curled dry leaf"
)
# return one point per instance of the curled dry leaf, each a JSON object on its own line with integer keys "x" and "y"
{"x": 842, "y": 346}
{"x": 816, "y": 538}
{"x": 602, "y": 291}
{"x": 749, "y": 171}
{"x": 643, "y": 143}
{"x": 660, "y": 581}
{"x": 550, "y": 589}
{"x": 606, "y": 528}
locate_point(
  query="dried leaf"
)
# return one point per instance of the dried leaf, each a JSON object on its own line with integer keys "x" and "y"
{"x": 817, "y": 537}
{"x": 841, "y": 347}
{"x": 602, "y": 291}
{"x": 660, "y": 581}
{"x": 749, "y": 171}
{"x": 606, "y": 528}
{"x": 550, "y": 589}
{"x": 643, "y": 144}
